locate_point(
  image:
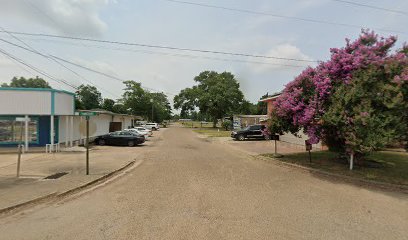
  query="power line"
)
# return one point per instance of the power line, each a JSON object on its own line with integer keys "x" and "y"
{"x": 372, "y": 7}
{"x": 279, "y": 16}
{"x": 106, "y": 75}
{"x": 159, "y": 46}
{"x": 9, "y": 55}
{"x": 31, "y": 49}
{"x": 77, "y": 65}
{"x": 168, "y": 54}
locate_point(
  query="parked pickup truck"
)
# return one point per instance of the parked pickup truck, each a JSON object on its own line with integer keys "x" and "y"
{"x": 252, "y": 131}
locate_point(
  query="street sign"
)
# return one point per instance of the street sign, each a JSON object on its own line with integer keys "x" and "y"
{"x": 22, "y": 119}
{"x": 87, "y": 130}
{"x": 88, "y": 114}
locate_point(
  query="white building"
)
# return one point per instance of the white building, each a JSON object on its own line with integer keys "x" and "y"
{"x": 50, "y": 118}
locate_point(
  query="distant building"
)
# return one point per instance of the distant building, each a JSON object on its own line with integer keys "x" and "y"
{"x": 269, "y": 101}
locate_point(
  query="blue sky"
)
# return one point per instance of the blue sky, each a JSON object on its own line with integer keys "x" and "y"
{"x": 166, "y": 23}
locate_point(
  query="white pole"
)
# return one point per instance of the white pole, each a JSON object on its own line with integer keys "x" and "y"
{"x": 26, "y": 133}
{"x": 351, "y": 161}
{"x": 66, "y": 130}
{"x": 71, "y": 132}
{"x": 52, "y": 133}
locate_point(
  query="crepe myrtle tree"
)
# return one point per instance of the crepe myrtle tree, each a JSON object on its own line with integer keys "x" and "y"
{"x": 348, "y": 74}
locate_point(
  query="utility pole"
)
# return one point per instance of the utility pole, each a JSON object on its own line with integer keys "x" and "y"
{"x": 87, "y": 145}
{"x": 151, "y": 101}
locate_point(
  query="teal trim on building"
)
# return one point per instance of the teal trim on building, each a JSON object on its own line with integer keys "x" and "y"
{"x": 52, "y": 103}
{"x": 36, "y": 89}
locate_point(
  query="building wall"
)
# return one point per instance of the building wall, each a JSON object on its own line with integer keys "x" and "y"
{"x": 300, "y": 140}
{"x": 14, "y": 102}
{"x": 270, "y": 107}
{"x": 64, "y": 104}
{"x": 101, "y": 122}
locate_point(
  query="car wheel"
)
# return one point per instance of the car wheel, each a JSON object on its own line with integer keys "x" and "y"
{"x": 131, "y": 143}
{"x": 153, "y": 128}
{"x": 241, "y": 137}
{"x": 101, "y": 142}
{"x": 267, "y": 137}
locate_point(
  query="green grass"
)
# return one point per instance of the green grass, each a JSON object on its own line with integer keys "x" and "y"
{"x": 390, "y": 167}
{"x": 213, "y": 132}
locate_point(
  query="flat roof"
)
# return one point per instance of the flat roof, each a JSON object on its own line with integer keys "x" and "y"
{"x": 101, "y": 111}
{"x": 35, "y": 89}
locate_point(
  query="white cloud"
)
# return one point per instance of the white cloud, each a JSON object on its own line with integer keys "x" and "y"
{"x": 287, "y": 51}
{"x": 74, "y": 17}
{"x": 5, "y": 62}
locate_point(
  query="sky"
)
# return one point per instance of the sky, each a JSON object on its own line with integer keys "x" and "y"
{"x": 167, "y": 23}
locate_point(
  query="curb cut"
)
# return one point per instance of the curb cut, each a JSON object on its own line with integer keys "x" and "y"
{"x": 382, "y": 185}
{"x": 56, "y": 195}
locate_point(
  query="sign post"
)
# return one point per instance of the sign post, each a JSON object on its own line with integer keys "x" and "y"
{"x": 20, "y": 145}
{"x": 309, "y": 148}
{"x": 87, "y": 117}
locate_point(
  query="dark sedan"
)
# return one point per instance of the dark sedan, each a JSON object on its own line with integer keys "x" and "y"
{"x": 252, "y": 131}
{"x": 123, "y": 138}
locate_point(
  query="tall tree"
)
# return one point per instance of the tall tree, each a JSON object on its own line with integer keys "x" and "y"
{"x": 161, "y": 107}
{"x": 215, "y": 94}
{"x": 136, "y": 99}
{"x": 108, "y": 104}
{"x": 23, "y": 82}
{"x": 144, "y": 103}
{"x": 355, "y": 102}
{"x": 88, "y": 97}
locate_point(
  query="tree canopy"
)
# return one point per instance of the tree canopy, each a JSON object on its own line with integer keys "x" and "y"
{"x": 142, "y": 102}
{"x": 355, "y": 102}
{"x": 216, "y": 94}
{"x": 88, "y": 97}
{"x": 23, "y": 82}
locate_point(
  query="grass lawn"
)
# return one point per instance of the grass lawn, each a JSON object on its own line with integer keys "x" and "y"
{"x": 390, "y": 167}
{"x": 213, "y": 132}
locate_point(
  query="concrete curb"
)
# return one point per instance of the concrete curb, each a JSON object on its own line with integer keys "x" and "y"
{"x": 56, "y": 195}
{"x": 371, "y": 183}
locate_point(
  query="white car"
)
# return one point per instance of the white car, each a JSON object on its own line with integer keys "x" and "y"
{"x": 144, "y": 134}
{"x": 152, "y": 126}
{"x": 144, "y": 130}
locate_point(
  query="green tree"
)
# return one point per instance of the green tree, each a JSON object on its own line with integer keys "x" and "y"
{"x": 136, "y": 99}
{"x": 368, "y": 113}
{"x": 120, "y": 108}
{"x": 108, "y": 104}
{"x": 141, "y": 102}
{"x": 161, "y": 107}
{"x": 88, "y": 97}
{"x": 27, "y": 83}
{"x": 215, "y": 94}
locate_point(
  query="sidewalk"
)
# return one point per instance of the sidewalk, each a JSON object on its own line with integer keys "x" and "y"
{"x": 36, "y": 166}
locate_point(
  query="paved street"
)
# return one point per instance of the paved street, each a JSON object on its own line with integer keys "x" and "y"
{"x": 189, "y": 188}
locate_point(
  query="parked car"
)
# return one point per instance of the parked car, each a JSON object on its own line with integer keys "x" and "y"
{"x": 152, "y": 126}
{"x": 134, "y": 130}
{"x": 125, "y": 138}
{"x": 252, "y": 131}
{"x": 144, "y": 130}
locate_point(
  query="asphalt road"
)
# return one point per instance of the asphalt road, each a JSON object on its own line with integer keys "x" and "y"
{"x": 188, "y": 188}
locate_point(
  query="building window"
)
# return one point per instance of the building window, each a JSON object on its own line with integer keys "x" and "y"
{"x": 10, "y": 130}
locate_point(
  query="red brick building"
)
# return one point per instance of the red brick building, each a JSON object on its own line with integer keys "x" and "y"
{"x": 269, "y": 101}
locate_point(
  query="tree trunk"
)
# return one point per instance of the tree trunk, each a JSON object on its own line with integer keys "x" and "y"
{"x": 214, "y": 123}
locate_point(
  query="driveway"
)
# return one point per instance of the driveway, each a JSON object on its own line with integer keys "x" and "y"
{"x": 190, "y": 188}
